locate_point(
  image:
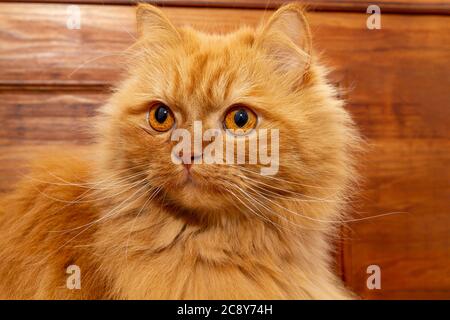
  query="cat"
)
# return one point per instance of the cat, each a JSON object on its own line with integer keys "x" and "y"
{"x": 140, "y": 226}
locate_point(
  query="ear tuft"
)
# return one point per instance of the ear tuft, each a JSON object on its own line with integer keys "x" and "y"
{"x": 287, "y": 39}
{"x": 151, "y": 20}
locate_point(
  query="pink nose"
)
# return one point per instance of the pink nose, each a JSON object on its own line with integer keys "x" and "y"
{"x": 188, "y": 159}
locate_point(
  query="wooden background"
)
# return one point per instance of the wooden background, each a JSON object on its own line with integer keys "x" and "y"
{"x": 397, "y": 82}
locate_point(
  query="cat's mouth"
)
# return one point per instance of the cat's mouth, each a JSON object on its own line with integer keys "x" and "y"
{"x": 196, "y": 188}
{"x": 194, "y": 196}
{"x": 195, "y": 182}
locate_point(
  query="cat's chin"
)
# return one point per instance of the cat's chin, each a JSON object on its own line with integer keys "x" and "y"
{"x": 194, "y": 196}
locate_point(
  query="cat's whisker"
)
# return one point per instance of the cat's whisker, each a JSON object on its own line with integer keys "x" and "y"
{"x": 118, "y": 184}
{"x": 271, "y": 211}
{"x": 251, "y": 209}
{"x": 281, "y": 179}
{"x": 95, "y": 186}
{"x": 110, "y": 214}
{"x": 257, "y": 183}
{"x": 281, "y": 216}
{"x": 151, "y": 197}
{"x": 299, "y": 214}
{"x": 86, "y": 193}
{"x": 330, "y": 221}
{"x": 94, "y": 199}
{"x": 114, "y": 54}
{"x": 89, "y": 225}
{"x": 81, "y": 185}
{"x": 108, "y": 178}
{"x": 122, "y": 189}
{"x": 309, "y": 198}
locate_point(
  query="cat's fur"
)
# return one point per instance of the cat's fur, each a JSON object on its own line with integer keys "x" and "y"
{"x": 222, "y": 237}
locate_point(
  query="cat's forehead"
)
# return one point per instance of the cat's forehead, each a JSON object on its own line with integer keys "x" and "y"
{"x": 210, "y": 71}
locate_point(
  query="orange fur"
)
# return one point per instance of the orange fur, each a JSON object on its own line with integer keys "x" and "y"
{"x": 123, "y": 213}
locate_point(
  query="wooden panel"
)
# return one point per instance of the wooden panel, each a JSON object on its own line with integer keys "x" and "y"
{"x": 40, "y": 117}
{"x": 398, "y": 73}
{"x": 398, "y": 6}
{"x": 32, "y": 121}
{"x": 49, "y": 53}
{"x": 398, "y": 80}
{"x": 412, "y": 248}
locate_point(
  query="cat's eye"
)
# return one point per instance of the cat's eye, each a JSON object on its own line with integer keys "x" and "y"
{"x": 160, "y": 117}
{"x": 241, "y": 119}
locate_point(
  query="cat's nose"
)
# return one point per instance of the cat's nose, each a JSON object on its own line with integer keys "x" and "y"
{"x": 193, "y": 158}
{"x": 187, "y": 166}
{"x": 189, "y": 158}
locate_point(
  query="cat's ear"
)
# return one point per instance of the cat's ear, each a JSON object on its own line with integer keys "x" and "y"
{"x": 287, "y": 39}
{"x": 151, "y": 21}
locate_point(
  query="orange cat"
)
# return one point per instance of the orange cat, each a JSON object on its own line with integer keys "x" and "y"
{"x": 140, "y": 225}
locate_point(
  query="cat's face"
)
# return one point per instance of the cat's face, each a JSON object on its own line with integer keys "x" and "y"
{"x": 248, "y": 80}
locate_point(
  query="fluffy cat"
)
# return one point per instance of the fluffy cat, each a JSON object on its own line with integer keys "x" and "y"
{"x": 140, "y": 226}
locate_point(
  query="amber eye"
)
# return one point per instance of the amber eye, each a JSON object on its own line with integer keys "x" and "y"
{"x": 160, "y": 117}
{"x": 240, "y": 118}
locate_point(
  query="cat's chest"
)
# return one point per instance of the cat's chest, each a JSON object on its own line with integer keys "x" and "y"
{"x": 195, "y": 265}
{"x": 179, "y": 273}
{"x": 171, "y": 259}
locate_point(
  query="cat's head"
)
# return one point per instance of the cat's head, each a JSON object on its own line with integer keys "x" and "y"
{"x": 251, "y": 80}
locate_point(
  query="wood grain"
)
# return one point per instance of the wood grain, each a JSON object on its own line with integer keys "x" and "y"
{"x": 407, "y": 177}
{"x": 398, "y": 73}
{"x": 386, "y": 6}
{"x": 40, "y": 117}
{"x": 396, "y": 81}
